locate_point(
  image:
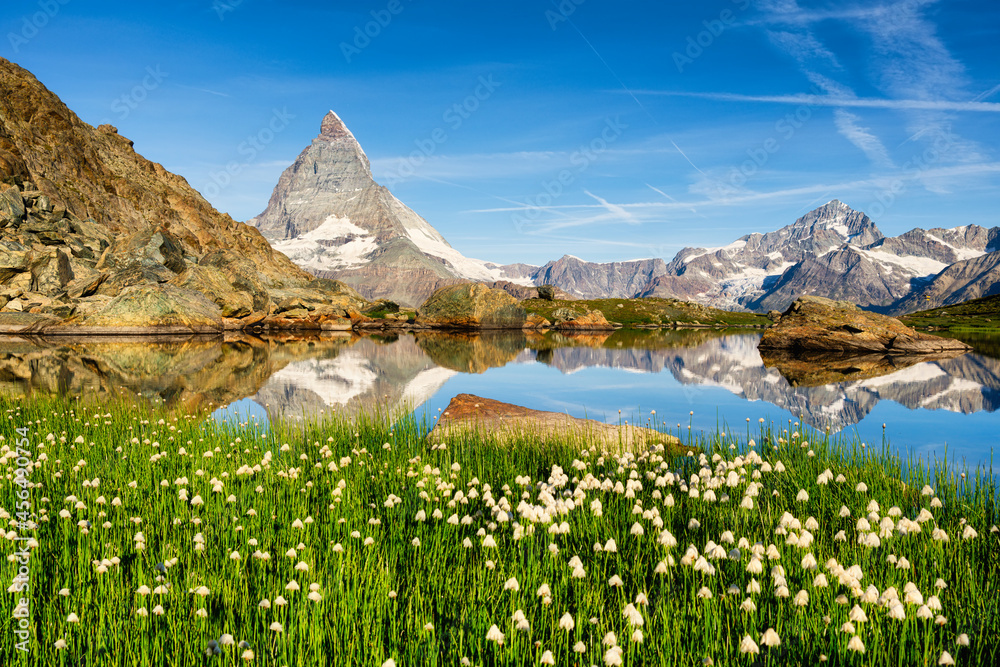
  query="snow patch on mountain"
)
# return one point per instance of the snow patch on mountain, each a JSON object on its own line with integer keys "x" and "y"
{"x": 916, "y": 266}
{"x": 336, "y": 243}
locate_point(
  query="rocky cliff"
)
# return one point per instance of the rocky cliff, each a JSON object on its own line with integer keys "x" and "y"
{"x": 94, "y": 235}
{"x": 331, "y": 217}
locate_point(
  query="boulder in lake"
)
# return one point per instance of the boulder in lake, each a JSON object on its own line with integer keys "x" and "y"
{"x": 471, "y": 306}
{"x": 467, "y": 414}
{"x": 814, "y": 323}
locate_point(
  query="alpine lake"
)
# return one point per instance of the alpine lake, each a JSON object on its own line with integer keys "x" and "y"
{"x": 681, "y": 381}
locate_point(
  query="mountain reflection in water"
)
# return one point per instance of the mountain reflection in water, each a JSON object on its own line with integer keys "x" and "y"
{"x": 296, "y": 376}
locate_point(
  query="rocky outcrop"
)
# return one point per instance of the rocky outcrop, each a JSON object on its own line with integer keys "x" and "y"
{"x": 522, "y": 292}
{"x": 816, "y": 324}
{"x": 147, "y": 309}
{"x": 468, "y": 415}
{"x": 331, "y": 217}
{"x": 471, "y": 306}
{"x": 85, "y": 220}
{"x": 571, "y": 319}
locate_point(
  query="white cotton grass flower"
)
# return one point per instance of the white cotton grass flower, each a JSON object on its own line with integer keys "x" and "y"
{"x": 748, "y": 645}
{"x": 579, "y": 647}
{"x": 72, "y": 618}
{"x": 566, "y": 622}
{"x": 613, "y": 656}
{"x": 276, "y": 627}
{"x": 946, "y": 659}
{"x": 511, "y": 585}
{"x": 856, "y": 645}
{"x": 962, "y": 640}
{"x": 494, "y": 635}
{"x": 770, "y": 638}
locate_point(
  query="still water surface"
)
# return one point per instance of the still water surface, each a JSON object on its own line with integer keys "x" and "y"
{"x": 928, "y": 407}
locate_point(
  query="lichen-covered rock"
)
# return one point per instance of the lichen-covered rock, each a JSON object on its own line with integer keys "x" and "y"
{"x": 536, "y": 321}
{"x": 149, "y": 309}
{"x": 818, "y": 324}
{"x": 214, "y": 284}
{"x": 471, "y": 306}
{"x": 568, "y": 319}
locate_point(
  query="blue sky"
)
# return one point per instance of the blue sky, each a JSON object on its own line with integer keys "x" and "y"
{"x": 607, "y": 130}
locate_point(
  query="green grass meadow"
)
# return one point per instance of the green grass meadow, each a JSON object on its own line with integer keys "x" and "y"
{"x": 168, "y": 538}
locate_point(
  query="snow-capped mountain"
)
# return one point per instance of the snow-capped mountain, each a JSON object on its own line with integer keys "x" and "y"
{"x": 331, "y": 218}
{"x": 833, "y": 251}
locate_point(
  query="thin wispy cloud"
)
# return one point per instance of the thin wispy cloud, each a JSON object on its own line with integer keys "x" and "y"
{"x": 831, "y": 101}
{"x": 848, "y": 124}
{"x": 614, "y": 209}
{"x": 885, "y": 181}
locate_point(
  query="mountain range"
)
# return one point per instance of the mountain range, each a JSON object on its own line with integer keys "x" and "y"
{"x": 331, "y": 218}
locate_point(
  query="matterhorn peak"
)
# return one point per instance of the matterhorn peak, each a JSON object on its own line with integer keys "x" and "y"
{"x": 333, "y": 128}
